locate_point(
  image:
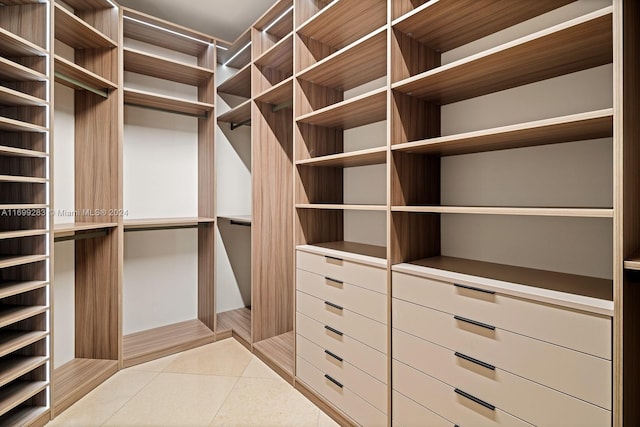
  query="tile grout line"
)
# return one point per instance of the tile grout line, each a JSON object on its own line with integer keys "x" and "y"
{"x": 224, "y": 401}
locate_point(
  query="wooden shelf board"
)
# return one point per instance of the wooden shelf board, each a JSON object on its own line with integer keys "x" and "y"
{"x": 345, "y": 21}
{"x": 239, "y": 84}
{"x": 280, "y": 93}
{"x": 142, "y": 223}
{"x": 14, "y": 234}
{"x": 244, "y": 56}
{"x": 368, "y": 108}
{"x": 575, "y": 127}
{"x": 245, "y": 219}
{"x": 278, "y": 353}
{"x": 581, "y": 292}
{"x": 27, "y": 415}
{"x": 360, "y": 62}
{"x": 284, "y": 24}
{"x": 440, "y": 25}
{"x": 375, "y": 255}
{"x": 11, "y": 341}
{"x": 76, "y": 378}
{"x": 140, "y": 62}
{"x": 12, "y": 125}
{"x": 148, "y": 345}
{"x": 10, "y": 314}
{"x": 526, "y": 211}
{"x": 24, "y": 206}
{"x": 20, "y": 152}
{"x": 89, "y": 4}
{"x": 76, "y": 33}
{"x": 12, "y": 71}
{"x": 13, "y": 367}
{"x": 14, "y": 45}
{"x": 279, "y": 56}
{"x": 69, "y": 229}
{"x": 238, "y": 321}
{"x": 17, "y": 392}
{"x": 339, "y": 207}
{"x": 166, "y": 103}
{"x": 633, "y": 263}
{"x": 14, "y": 98}
{"x": 569, "y": 47}
{"x": 371, "y": 156}
{"x": 23, "y": 179}
{"x": 239, "y": 114}
{"x": 12, "y": 261}
{"x": 8, "y": 289}
{"x": 81, "y": 75}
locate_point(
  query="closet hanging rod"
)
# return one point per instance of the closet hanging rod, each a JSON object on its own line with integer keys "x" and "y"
{"x": 235, "y": 126}
{"x": 78, "y": 83}
{"x": 82, "y": 236}
{"x": 160, "y": 227}
{"x": 167, "y": 110}
{"x": 281, "y": 106}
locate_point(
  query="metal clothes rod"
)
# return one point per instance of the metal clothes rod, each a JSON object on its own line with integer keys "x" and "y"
{"x": 166, "y": 110}
{"x": 81, "y": 236}
{"x": 160, "y": 227}
{"x": 102, "y": 93}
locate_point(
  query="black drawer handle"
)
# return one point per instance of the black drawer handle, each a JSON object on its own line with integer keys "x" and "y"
{"x": 475, "y": 399}
{"x": 475, "y": 322}
{"x": 338, "y": 383}
{"x": 333, "y": 258}
{"x": 476, "y": 361}
{"x": 336, "y": 306}
{"x": 335, "y": 331}
{"x": 471, "y": 288}
{"x": 335, "y": 356}
{"x": 339, "y": 282}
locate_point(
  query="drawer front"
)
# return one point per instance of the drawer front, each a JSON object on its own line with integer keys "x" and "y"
{"x": 361, "y": 356}
{"x": 363, "y": 329}
{"x": 577, "y": 374}
{"x": 361, "y": 383}
{"x": 453, "y": 404}
{"x": 342, "y": 398}
{"x": 366, "y": 276}
{"x": 407, "y": 413}
{"x": 524, "y": 399}
{"x": 588, "y": 333}
{"x": 354, "y": 298}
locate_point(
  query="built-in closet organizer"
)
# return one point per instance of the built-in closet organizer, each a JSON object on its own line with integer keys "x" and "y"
{"x": 24, "y": 208}
{"x": 169, "y": 188}
{"x": 87, "y": 198}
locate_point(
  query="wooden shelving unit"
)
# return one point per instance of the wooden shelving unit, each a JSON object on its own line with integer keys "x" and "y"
{"x": 25, "y": 238}
{"x": 279, "y": 56}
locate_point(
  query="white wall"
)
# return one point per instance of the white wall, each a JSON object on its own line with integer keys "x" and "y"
{"x": 63, "y": 294}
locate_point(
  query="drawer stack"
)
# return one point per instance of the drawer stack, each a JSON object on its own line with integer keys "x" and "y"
{"x": 341, "y": 327}
{"x": 468, "y": 356}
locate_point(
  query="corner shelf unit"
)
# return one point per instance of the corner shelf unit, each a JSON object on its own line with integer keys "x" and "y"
{"x": 25, "y": 237}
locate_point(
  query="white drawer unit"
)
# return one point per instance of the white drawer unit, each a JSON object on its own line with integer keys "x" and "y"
{"x": 581, "y": 331}
{"x": 354, "y": 298}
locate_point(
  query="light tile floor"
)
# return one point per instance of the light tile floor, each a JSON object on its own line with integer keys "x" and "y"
{"x": 220, "y": 384}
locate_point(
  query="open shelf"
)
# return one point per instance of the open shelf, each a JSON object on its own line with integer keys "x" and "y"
{"x": 527, "y": 211}
{"x": 345, "y": 21}
{"x": 278, "y": 353}
{"x": 76, "y": 33}
{"x": 440, "y": 25}
{"x": 279, "y": 56}
{"x": 11, "y": 341}
{"x": 23, "y": 179}
{"x": 17, "y": 392}
{"x": 633, "y": 263}
{"x": 11, "y": 125}
{"x": 278, "y": 19}
{"x": 239, "y": 84}
{"x": 13, "y": 45}
{"x": 575, "y": 127}
{"x": 239, "y": 322}
{"x": 376, "y": 255}
{"x": 368, "y": 108}
{"x": 12, "y": 71}
{"x": 239, "y": 114}
{"x": 8, "y": 289}
{"x": 164, "y": 223}
{"x": 140, "y": 62}
{"x": 569, "y": 47}
{"x": 238, "y": 219}
{"x": 76, "y": 378}
{"x": 27, "y": 415}
{"x": 69, "y": 229}
{"x": 78, "y": 78}
{"x": 21, "y": 152}
{"x": 155, "y": 343}
{"x": 360, "y": 62}
{"x": 582, "y": 292}
{"x": 14, "y": 234}
{"x": 166, "y": 103}
{"x": 341, "y": 207}
{"x": 10, "y": 97}
{"x": 278, "y": 94}
{"x": 24, "y": 206}
{"x": 10, "y": 314}
{"x": 239, "y": 53}
{"x": 13, "y": 367}
{"x": 371, "y": 156}
{"x": 89, "y": 4}
{"x": 13, "y": 261}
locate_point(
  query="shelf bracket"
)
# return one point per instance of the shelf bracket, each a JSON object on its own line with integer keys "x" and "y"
{"x": 166, "y": 110}
{"x": 282, "y": 106}
{"x": 78, "y": 83}
{"x": 235, "y": 126}
{"x": 81, "y": 236}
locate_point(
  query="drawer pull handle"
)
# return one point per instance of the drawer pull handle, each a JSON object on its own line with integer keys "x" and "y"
{"x": 333, "y": 258}
{"x": 335, "y": 356}
{"x": 475, "y": 399}
{"x": 476, "y": 361}
{"x": 335, "y": 331}
{"x": 338, "y": 383}
{"x": 339, "y": 282}
{"x": 471, "y": 288}
{"x": 475, "y": 322}
{"x": 336, "y": 306}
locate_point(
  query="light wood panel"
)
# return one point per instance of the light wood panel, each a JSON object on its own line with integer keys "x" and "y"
{"x": 165, "y": 222}
{"x": 278, "y": 353}
{"x": 244, "y": 219}
{"x": 284, "y": 25}
{"x": 34, "y": 416}
{"x": 79, "y": 74}
{"x": 239, "y": 53}
{"x": 140, "y": 62}
{"x": 306, "y": 9}
{"x": 572, "y": 46}
{"x": 12, "y": 71}
{"x": 10, "y": 97}
{"x": 11, "y": 341}
{"x": 559, "y": 212}
{"x": 315, "y": 226}
{"x": 341, "y": 207}
{"x": 413, "y": 236}
{"x": 19, "y": 391}
{"x": 76, "y": 33}
{"x": 13, "y": 314}
{"x": 21, "y": 152}
{"x": 8, "y": 289}
{"x": 239, "y": 322}
{"x": 239, "y": 114}
{"x": 11, "y": 125}
{"x": 12, "y": 261}
{"x": 239, "y": 84}
{"x": 278, "y": 94}
{"x": 371, "y": 156}
{"x": 166, "y": 103}
{"x": 89, "y": 4}
{"x": 279, "y": 56}
{"x": 77, "y": 378}
{"x": 355, "y": 248}
{"x": 69, "y": 229}
{"x": 22, "y": 179}
{"x": 13, "y": 45}
{"x": 154, "y": 343}
{"x": 22, "y": 233}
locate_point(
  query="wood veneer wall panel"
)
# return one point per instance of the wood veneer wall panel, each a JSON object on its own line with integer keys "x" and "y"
{"x": 400, "y": 7}
{"x": 413, "y": 119}
{"x": 272, "y": 224}
{"x": 414, "y": 236}
{"x": 206, "y": 275}
{"x": 103, "y": 20}
{"x": 27, "y": 21}
{"x": 415, "y": 179}
{"x": 305, "y": 9}
{"x": 309, "y": 51}
{"x": 310, "y": 97}
{"x": 316, "y": 141}
{"x": 319, "y": 185}
{"x": 318, "y": 226}
{"x": 264, "y": 78}
{"x": 410, "y": 57}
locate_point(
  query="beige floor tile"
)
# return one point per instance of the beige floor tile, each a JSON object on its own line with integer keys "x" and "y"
{"x": 227, "y": 358}
{"x": 266, "y": 402}
{"x": 325, "y": 420}
{"x": 156, "y": 365}
{"x": 175, "y": 400}
{"x": 100, "y": 404}
{"x": 258, "y": 369}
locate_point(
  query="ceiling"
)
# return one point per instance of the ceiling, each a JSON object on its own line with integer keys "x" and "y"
{"x": 225, "y": 19}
